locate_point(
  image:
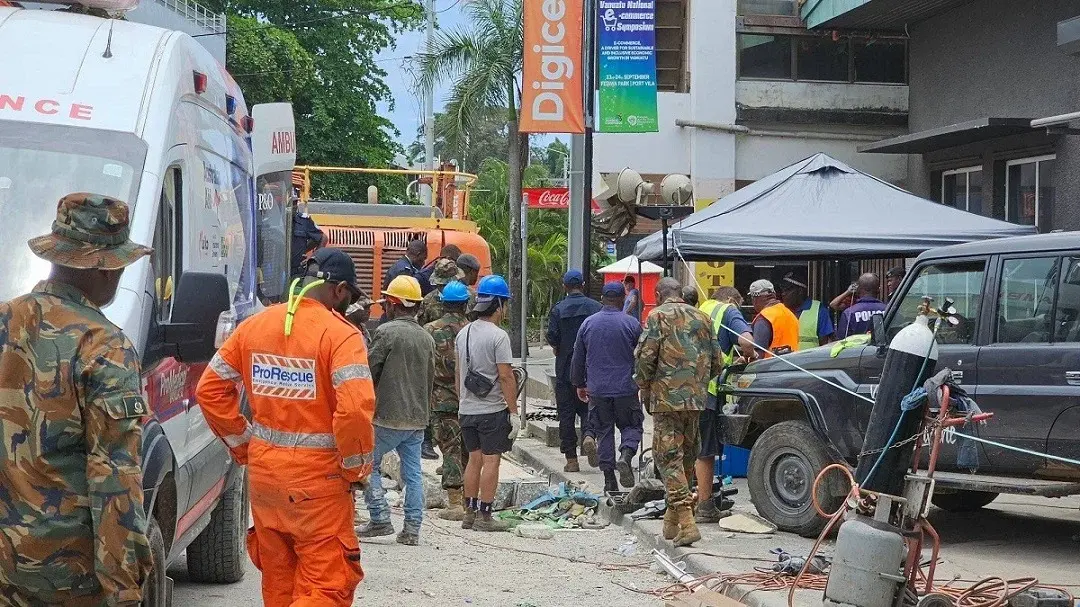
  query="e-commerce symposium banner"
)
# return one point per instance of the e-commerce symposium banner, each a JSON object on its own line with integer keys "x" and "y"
{"x": 627, "y": 74}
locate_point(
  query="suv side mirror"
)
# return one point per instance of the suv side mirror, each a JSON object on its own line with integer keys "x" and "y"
{"x": 877, "y": 331}
{"x": 199, "y": 300}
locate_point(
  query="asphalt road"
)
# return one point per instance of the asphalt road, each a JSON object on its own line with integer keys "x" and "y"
{"x": 457, "y": 567}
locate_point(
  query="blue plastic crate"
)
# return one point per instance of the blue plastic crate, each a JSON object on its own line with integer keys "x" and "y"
{"x": 733, "y": 463}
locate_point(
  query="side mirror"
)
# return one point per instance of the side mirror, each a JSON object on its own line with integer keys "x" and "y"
{"x": 199, "y": 300}
{"x": 877, "y": 331}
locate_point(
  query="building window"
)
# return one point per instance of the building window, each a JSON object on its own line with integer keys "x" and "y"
{"x": 962, "y": 189}
{"x": 1029, "y": 189}
{"x": 786, "y": 8}
{"x": 671, "y": 66}
{"x": 882, "y": 61}
{"x": 821, "y": 58}
{"x": 762, "y": 56}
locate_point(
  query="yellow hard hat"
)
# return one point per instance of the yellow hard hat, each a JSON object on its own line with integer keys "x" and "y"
{"x": 405, "y": 288}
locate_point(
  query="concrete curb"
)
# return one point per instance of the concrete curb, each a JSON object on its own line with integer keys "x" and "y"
{"x": 649, "y": 537}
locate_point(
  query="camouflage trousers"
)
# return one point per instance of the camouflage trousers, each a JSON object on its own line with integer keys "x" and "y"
{"x": 675, "y": 449}
{"x": 11, "y": 596}
{"x": 447, "y": 430}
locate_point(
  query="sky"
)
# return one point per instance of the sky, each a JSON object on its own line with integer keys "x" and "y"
{"x": 407, "y": 111}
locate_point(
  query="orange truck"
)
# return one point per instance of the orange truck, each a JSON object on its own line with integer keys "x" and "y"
{"x": 375, "y": 235}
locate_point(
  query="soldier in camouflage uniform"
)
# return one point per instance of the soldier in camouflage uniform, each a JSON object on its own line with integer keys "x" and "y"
{"x": 431, "y": 309}
{"x": 72, "y": 524}
{"x": 677, "y": 355}
{"x": 444, "y": 396}
{"x": 470, "y": 265}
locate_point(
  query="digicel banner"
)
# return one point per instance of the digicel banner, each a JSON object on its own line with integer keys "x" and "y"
{"x": 551, "y": 199}
{"x": 552, "y": 100}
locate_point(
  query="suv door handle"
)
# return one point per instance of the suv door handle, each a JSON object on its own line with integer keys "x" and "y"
{"x": 874, "y": 379}
{"x": 1072, "y": 378}
{"x": 958, "y": 377}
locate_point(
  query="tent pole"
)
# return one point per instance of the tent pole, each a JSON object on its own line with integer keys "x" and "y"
{"x": 664, "y": 229}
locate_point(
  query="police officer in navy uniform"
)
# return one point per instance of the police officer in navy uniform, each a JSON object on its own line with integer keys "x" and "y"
{"x": 563, "y": 324}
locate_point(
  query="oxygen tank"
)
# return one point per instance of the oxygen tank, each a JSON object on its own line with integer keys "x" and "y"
{"x": 911, "y": 359}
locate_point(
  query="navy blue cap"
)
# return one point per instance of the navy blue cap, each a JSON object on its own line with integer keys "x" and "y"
{"x": 573, "y": 278}
{"x": 334, "y": 266}
{"x": 614, "y": 289}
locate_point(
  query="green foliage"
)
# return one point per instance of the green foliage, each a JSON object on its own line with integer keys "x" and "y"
{"x": 469, "y": 150}
{"x": 320, "y": 55}
{"x": 556, "y": 157}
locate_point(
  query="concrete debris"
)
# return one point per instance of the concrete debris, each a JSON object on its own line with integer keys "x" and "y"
{"x": 744, "y": 522}
{"x": 434, "y": 496}
{"x": 391, "y": 467}
{"x": 534, "y": 531}
{"x": 394, "y": 499}
{"x": 629, "y": 547}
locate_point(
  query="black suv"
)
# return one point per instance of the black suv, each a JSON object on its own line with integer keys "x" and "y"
{"x": 1016, "y": 350}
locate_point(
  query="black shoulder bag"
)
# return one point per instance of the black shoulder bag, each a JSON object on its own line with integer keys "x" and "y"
{"x": 475, "y": 382}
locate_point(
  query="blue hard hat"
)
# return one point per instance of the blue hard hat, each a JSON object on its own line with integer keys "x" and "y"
{"x": 454, "y": 292}
{"x": 493, "y": 285}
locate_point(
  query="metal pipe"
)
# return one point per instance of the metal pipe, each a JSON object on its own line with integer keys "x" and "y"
{"x": 1052, "y": 120}
{"x": 744, "y": 130}
{"x": 670, "y": 567}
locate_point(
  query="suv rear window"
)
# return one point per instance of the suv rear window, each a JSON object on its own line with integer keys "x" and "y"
{"x": 960, "y": 282}
{"x": 1026, "y": 300}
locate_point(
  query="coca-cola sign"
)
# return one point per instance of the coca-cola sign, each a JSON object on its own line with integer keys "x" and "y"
{"x": 551, "y": 199}
{"x": 547, "y": 198}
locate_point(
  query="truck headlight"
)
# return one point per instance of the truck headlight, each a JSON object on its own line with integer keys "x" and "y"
{"x": 743, "y": 380}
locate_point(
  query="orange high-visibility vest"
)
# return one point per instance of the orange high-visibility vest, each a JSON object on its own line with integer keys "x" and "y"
{"x": 785, "y": 326}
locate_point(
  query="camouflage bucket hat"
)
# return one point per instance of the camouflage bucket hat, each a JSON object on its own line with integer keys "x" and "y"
{"x": 90, "y": 231}
{"x": 446, "y": 271}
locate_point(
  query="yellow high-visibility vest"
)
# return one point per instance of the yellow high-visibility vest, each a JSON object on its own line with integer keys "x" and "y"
{"x": 808, "y": 326}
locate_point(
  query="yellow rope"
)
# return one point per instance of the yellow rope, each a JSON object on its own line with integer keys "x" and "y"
{"x": 294, "y": 302}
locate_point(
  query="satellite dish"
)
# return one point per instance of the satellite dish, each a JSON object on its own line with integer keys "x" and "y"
{"x": 627, "y": 184}
{"x": 676, "y": 190}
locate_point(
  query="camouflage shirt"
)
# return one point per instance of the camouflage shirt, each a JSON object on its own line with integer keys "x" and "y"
{"x": 71, "y": 501}
{"x": 444, "y": 393}
{"x": 431, "y": 308}
{"x": 676, "y": 356}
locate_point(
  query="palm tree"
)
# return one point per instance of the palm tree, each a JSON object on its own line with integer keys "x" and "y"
{"x": 484, "y": 61}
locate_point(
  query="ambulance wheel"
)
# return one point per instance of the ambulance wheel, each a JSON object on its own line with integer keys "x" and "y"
{"x": 963, "y": 501}
{"x": 155, "y": 593}
{"x": 218, "y": 555}
{"x": 784, "y": 462}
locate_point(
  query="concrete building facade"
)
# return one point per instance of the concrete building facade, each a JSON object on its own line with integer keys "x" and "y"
{"x": 186, "y": 16}
{"x": 980, "y": 72}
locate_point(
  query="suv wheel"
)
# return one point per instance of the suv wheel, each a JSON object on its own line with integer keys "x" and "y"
{"x": 784, "y": 462}
{"x": 217, "y": 556}
{"x": 963, "y": 501}
{"x": 155, "y": 592}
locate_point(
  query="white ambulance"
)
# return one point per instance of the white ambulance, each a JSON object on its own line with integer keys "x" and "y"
{"x": 147, "y": 116}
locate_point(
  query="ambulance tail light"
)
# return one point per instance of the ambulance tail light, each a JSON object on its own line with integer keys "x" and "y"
{"x": 200, "y": 82}
{"x": 226, "y": 324}
{"x": 248, "y": 124}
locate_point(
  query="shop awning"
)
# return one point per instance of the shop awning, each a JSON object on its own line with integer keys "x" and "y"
{"x": 872, "y": 14}
{"x": 821, "y": 208}
{"x": 972, "y": 131}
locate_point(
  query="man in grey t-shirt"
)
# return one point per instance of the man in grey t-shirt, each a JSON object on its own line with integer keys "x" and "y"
{"x": 488, "y": 421}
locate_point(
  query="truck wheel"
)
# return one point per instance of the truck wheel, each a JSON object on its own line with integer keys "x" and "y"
{"x": 154, "y": 589}
{"x": 217, "y": 555}
{"x": 963, "y": 501}
{"x": 784, "y": 462}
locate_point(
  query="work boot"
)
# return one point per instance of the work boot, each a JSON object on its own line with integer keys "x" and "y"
{"x": 688, "y": 531}
{"x": 455, "y": 509}
{"x": 610, "y": 484}
{"x": 468, "y": 520}
{"x": 427, "y": 451}
{"x": 486, "y": 522}
{"x": 373, "y": 529}
{"x": 409, "y": 536}
{"x": 625, "y": 468}
{"x": 671, "y": 523}
{"x": 707, "y": 512}
{"x": 571, "y": 465}
{"x": 588, "y": 447}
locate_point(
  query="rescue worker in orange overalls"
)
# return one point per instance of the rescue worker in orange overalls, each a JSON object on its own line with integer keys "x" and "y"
{"x": 310, "y": 440}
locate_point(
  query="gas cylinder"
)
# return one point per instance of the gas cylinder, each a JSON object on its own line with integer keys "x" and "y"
{"x": 910, "y": 360}
{"x": 866, "y": 569}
